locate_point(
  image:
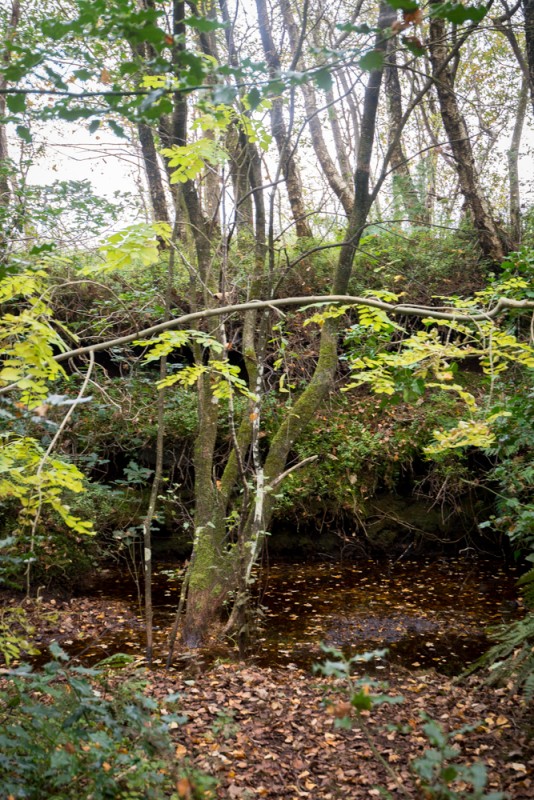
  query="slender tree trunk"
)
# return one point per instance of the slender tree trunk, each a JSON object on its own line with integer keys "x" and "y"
{"x": 205, "y": 602}
{"x": 158, "y": 471}
{"x": 513, "y": 169}
{"x": 239, "y": 169}
{"x": 339, "y": 144}
{"x": 5, "y": 188}
{"x": 458, "y": 136}
{"x": 156, "y": 189}
{"x": 341, "y": 188}
{"x": 290, "y": 170}
{"x": 403, "y": 184}
{"x": 528, "y": 10}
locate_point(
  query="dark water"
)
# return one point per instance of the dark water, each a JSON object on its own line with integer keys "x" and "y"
{"x": 427, "y": 613}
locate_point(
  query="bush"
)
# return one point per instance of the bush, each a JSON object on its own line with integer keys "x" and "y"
{"x": 69, "y": 733}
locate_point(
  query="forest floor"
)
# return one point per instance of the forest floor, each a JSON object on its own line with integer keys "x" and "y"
{"x": 272, "y": 732}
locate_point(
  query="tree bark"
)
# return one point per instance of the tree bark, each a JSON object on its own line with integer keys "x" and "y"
{"x": 403, "y": 185}
{"x": 460, "y": 144}
{"x": 290, "y": 170}
{"x": 513, "y": 167}
{"x": 528, "y": 10}
{"x": 341, "y": 188}
{"x": 156, "y": 190}
{"x": 5, "y": 188}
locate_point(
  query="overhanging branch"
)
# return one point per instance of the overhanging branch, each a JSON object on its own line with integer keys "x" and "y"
{"x": 395, "y": 310}
{"x": 447, "y": 315}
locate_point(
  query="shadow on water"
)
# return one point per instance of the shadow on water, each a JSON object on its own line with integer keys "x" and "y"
{"x": 427, "y": 613}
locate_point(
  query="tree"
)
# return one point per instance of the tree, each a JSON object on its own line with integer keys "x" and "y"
{"x": 459, "y": 141}
{"x": 202, "y": 110}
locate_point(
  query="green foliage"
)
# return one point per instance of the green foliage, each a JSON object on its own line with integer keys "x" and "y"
{"x": 16, "y": 633}
{"x": 225, "y": 376}
{"x": 135, "y": 246}
{"x": 67, "y": 733}
{"x": 35, "y": 480}
{"x": 518, "y": 265}
{"x": 362, "y": 693}
{"x": 513, "y": 473}
{"x": 511, "y": 660}
{"x": 27, "y": 337}
{"x": 360, "y": 447}
{"x": 418, "y": 265}
{"x": 188, "y": 161}
{"x": 438, "y": 771}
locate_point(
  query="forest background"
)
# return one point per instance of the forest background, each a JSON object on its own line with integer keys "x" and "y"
{"x": 330, "y": 262}
{"x": 305, "y": 327}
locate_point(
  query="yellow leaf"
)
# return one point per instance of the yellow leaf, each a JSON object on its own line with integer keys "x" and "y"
{"x": 180, "y": 751}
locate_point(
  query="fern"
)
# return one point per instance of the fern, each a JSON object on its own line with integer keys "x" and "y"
{"x": 511, "y": 659}
{"x": 526, "y": 581}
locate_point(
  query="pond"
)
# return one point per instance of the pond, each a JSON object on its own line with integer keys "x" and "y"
{"x": 428, "y": 613}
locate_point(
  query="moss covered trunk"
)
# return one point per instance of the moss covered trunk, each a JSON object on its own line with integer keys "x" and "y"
{"x": 220, "y": 569}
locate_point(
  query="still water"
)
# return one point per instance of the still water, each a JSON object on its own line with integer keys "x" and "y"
{"x": 427, "y": 613}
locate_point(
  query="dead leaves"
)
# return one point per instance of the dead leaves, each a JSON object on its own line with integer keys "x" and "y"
{"x": 268, "y": 733}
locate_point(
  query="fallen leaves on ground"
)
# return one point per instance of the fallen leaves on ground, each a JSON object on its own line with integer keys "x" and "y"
{"x": 267, "y": 733}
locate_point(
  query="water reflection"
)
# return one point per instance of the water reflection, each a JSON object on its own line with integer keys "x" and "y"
{"x": 428, "y": 613}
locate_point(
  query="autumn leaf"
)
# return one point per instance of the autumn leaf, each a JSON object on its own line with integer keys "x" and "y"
{"x": 184, "y": 788}
{"x": 413, "y": 17}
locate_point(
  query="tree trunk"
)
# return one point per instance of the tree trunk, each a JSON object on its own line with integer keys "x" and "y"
{"x": 341, "y": 188}
{"x": 403, "y": 184}
{"x": 290, "y": 170}
{"x": 215, "y": 569}
{"x": 5, "y": 188}
{"x": 156, "y": 190}
{"x": 460, "y": 144}
{"x": 513, "y": 170}
{"x": 528, "y": 10}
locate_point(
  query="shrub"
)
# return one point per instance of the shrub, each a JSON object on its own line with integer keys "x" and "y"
{"x": 71, "y": 733}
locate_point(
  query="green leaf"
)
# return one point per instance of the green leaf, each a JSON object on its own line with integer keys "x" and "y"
{"x": 458, "y": 13}
{"x": 362, "y": 701}
{"x": 24, "y": 133}
{"x": 151, "y": 98}
{"x": 323, "y": 79}
{"x": 449, "y": 773}
{"x": 372, "y": 60}
{"x": 117, "y": 129}
{"x": 71, "y": 114}
{"x": 83, "y": 74}
{"x": 348, "y": 27}
{"x": 94, "y": 126}
{"x": 128, "y": 68}
{"x": 224, "y": 95}
{"x": 276, "y": 87}
{"x": 254, "y": 98}
{"x": 57, "y": 652}
{"x": 404, "y": 5}
{"x": 16, "y": 103}
{"x": 204, "y": 25}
